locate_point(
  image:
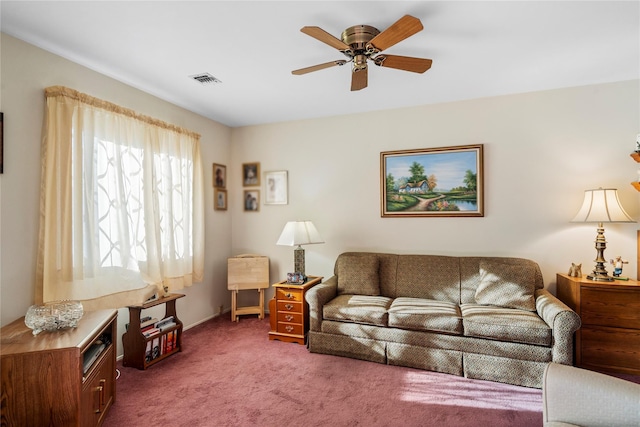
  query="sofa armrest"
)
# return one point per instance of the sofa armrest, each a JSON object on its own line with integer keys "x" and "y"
{"x": 317, "y": 297}
{"x": 563, "y": 322}
{"x": 574, "y": 396}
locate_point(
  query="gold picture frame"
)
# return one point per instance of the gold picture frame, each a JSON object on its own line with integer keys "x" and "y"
{"x": 432, "y": 182}
{"x": 251, "y": 200}
{"x": 220, "y": 199}
{"x": 219, "y": 176}
{"x": 251, "y": 174}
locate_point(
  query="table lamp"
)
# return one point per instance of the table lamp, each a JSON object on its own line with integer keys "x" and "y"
{"x": 298, "y": 233}
{"x": 600, "y": 206}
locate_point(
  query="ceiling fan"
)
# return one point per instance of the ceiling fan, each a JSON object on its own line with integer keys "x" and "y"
{"x": 364, "y": 42}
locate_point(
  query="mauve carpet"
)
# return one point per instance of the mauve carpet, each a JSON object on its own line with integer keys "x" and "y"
{"x": 230, "y": 374}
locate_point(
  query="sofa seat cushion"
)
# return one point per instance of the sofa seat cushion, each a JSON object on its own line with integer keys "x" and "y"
{"x": 370, "y": 310}
{"x": 505, "y": 324}
{"x": 420, "y": 314}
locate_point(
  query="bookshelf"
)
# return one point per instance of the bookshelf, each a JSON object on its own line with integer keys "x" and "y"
{"x": 142, "y": 350}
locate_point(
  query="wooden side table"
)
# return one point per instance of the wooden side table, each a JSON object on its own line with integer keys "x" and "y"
{"x": 62, "y": 377}
{"x": 289, "y": 312}
{"x": 609, "y": 338}
{"x": 247, "y": 272}
{"x": 137, "y": 347}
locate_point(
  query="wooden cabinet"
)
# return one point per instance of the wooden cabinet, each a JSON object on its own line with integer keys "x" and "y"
{"x": 141, "y": 351}
{"x": 609, "y": 338}
{"x": 44, "y": 378}
{"x": 289, "y": 312}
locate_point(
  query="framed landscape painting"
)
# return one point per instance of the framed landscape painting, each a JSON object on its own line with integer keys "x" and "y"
{"x": 432, "y": 182}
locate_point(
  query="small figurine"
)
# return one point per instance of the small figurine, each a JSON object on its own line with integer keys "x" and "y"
{"x": 575, "y": 270}
{"x": 617, "y": 265}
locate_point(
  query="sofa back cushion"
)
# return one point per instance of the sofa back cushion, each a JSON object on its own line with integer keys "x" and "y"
{"x": 428, "y": 276}
{"x": 506, "y": 285}
{"x": 471, "y": 276}
{"x": 387, "y": 266}
{"x": 358, "y": 275}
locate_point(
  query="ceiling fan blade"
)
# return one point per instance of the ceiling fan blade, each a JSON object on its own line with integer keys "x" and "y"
{"x": 318, "y": 67}
{"x": 321, "y": 35}
{"x": 401, "y": 29}
{"x": 406, "y": 63}
{"x": 359, "y": 78}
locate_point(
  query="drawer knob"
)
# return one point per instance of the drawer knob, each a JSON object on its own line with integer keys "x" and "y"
{"x": 288, "y": 318}
{"x": 288, "y": 306}
{"x": 289, "y": 328}
{"x": 289, "y": 295}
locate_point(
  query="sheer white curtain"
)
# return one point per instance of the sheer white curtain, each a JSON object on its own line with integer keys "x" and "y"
{"x": 122, "y": 211}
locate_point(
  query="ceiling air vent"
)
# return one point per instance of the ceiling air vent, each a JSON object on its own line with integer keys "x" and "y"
{"x": 205, "y": 78}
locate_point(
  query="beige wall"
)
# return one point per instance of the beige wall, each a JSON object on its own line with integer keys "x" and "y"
{"x": 542, "y": 150}
{"x": 26, "y": 71}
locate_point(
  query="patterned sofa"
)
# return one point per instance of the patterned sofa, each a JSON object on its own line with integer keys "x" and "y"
{"x": 480, "y": 317}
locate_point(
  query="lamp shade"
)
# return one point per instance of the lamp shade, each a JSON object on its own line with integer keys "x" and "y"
{"x": 297, "y": 233}
{"x": 602, "y": 205}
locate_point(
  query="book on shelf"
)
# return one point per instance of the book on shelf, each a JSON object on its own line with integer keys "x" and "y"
{"x": 150, "y": 321}
{"x": 147, "y": 353}
{"x": 151, "y": 332}
{"x": 169, "y": 344}
{"x": 155, "y": 348}
{"x": 164, "y": 321}
{"x": 146, "y": 328}
{"x": 166, "y": 326}
{"x": 144, "y": 321}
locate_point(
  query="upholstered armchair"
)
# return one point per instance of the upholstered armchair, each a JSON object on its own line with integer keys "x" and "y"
{"x": 578, "y": 397}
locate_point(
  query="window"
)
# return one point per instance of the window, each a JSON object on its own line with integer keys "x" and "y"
{"x": 121, "y": 203}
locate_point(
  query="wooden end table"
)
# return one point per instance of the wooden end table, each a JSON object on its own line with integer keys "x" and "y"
{"x": 609, "y": 338}
{"x": 289, "y": 312}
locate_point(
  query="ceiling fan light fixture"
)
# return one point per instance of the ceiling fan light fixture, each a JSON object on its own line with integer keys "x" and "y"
{"x": 361, "y": 43}
{"x": 359, "y": 62}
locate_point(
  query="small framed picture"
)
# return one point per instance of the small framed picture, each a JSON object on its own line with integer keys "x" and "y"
{"x": 220, "y": 202}
{"x": 276, "y": 191}
{"x": 219, "y": 176}
{"x": 296, "y": 278}
{"x": 251, "y": 174}
{"x": 251, "y": 200}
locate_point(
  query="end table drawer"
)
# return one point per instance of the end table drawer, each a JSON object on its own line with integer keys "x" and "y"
{"x": 289, "y": 307}
{"x": 289, "y": 317}
{"x": 616, "y": 308}
{"x": 289, "y": 295}
{"x": 290, "y": 328}
{"x": 610, "y": 347}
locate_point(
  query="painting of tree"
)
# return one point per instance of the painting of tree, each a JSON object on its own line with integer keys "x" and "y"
{"x": 444, "y": 181}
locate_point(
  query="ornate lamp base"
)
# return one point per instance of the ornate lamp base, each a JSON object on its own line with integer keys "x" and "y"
{"x": 298, "y": 260}
{"x": 600, "y": 272}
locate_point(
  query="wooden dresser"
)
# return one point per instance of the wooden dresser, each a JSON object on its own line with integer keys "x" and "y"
{"x": 44, "y": 382}
{"x": 609, "y": 338}
{"x": 289, "y": 312}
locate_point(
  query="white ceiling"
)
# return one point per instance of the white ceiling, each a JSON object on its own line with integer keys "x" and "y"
{"x": 479, "y": 49}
